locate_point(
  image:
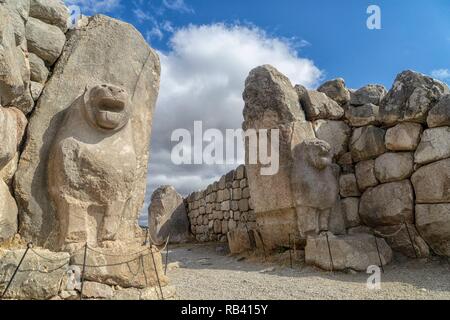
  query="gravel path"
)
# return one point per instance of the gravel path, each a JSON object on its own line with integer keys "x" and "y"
{"x": 205, "y": 271}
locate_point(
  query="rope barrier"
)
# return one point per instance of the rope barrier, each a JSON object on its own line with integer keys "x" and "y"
{"x": 378, "y": 233}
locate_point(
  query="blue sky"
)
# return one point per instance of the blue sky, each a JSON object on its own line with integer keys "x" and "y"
{"x": 414, "y": 35}
{"x": 207, "y": 48}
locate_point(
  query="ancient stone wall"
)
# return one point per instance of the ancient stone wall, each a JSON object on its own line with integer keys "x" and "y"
{"x": 393, "y": 152}
{"x": 223, "y": 206}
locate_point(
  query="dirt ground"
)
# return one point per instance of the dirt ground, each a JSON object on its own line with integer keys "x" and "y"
{"x": 207, "y": 271}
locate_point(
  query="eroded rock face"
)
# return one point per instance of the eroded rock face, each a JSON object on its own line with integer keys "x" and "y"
{"x": 433, "y": 223}
{"x": 314, "y": 181}
{"x": 167, "y": 216}
{"x": 404, "y": 238}
{"x": 365, "y": 174}
{"x": 39, "y": 277}
{"x": 431, "y": 182}
{"x": 356, "y": 252}
{"x": 388, "y": 204}
{"x": 410, "y": 98}
{"x": 364, "y": 115}
{"x": 105, "y": 52}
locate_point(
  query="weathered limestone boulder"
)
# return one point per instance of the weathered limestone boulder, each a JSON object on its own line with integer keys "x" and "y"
{"x": 361, "y": 116}
{"x": 355, "y": 252}
{"x": 318, "y": 105}
{"x": 388, "y": 204}
{"x": 95, "y": 290}
{"x": 370, "y": 94}
{"x": 433, "y": 223}
{"x": 394, "y": 166}
{"x": 239, "y": 240}
{"x": 434, "y": 145}
{"x": 103, "y": 136}
{"x": 8, "y": 213}
{"x": 336, "y": 133}
{"x": 365, "y": 174}
{"x": 350, "y": 210}
{"x": 50, "y": 11}
{"x": 39, "y": 72}
{"x": 12, "y": 129}
{"x": 410, "y": 98}
{"x": 44, "y": 40}
{"x": 39, "y": 277}
{"x": 315, "y": 186}
{"x": 405, "y": 239}
{"x": 18, "y": 12}
{"x": 439, "y": 115}
{"x": 348, "y": 186}
{"x": 367, "y": 143}
{"x": 126, "y": 265}
{"x": 403, "y": 137}
{"x": 13, "y": 76}
{"x": 272, "y": 103}
{"x": 431, "y": 182}
{"x": 336, "y": 90}
{"x": 167, "y": 216}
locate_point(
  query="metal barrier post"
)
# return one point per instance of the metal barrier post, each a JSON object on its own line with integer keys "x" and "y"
{"x": 379, "y": 255}
{"x": 329, "y": 251}
{"x": 157, "y": 275}
{"x": 83, "y": 272}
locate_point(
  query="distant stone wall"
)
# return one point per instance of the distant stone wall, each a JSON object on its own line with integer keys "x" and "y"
{"x": 224, "y": 206}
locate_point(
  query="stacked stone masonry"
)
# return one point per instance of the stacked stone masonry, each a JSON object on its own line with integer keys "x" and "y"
{"x": 223, "y": 206}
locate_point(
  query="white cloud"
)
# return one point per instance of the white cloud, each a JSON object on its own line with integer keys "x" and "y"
{"x": 203, "y": 78}
{"x": 441, "y": 74}
{"x": 177, "y": 5}
{"x": 89, "y": 7}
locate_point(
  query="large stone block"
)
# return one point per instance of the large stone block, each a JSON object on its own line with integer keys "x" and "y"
{"x": 8, "y": 213}
{"x": 365, "y": 174}
{"x": 350, "y": 210}
{"x": 410, "y": 98}
{"x": 167, "y": 216}
{"x": 348, "y": 186}
{"x": 39, "y": 72}
{"x": 336, "y": 90}
{"x": 403, "y": 137}
{"x": 434, "y": 145}
{"x": 91, "y": 57}
{"x": 239, "y": 240}
{"x": 318, "y": 105}
{"x": 394, "y": 166}
{"x": 372, "y": 93}
{"x": 50, "y": 11}
{"x": 439, "y": 115}
{"x": 364, "y": 115}
{"x": 388, "y": 204}
{"x": 129, "y": 265}
{"x": 355, "y": 252}
{"x": 336, "y": 133}
{"x": 405, "y": 239}
{"x": 431, "y": 182}
{"x": 367, "y": 143}
{"x": 39, "y": 277}
{"x": 433, "y": 223}
{"x": 45, "y": 40}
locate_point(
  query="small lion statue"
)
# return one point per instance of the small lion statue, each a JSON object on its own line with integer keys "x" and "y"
{"x": 92, "y": 167}
{"x": 315, "y": 187}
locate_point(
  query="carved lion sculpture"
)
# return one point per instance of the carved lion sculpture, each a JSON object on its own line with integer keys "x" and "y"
{"x": 92, "y": 167}
{"x": 315, "y": 186}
